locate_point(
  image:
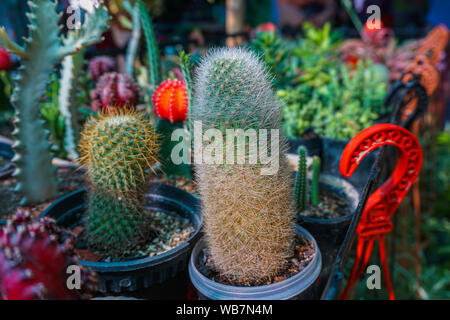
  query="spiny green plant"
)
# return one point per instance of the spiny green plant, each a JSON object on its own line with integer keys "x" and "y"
{"x": 135, "y": 36}
{"x": 119, "y": 151}
{"x": 72, "y": 67}
{"x": 315, "y": 181}
{"x": 301, "y": 181}
{"x": 44, "y": 48}
{"x": 248, "y": 217}
{"x": 185, "y": 60}
{"x": 152, "y": 46}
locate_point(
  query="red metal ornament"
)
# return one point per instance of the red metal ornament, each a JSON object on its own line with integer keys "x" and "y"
{"x": 376, "y": 219}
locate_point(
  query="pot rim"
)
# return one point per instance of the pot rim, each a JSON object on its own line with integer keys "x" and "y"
{"x": 282, "y": 290}
{"x": 144, "y": 262}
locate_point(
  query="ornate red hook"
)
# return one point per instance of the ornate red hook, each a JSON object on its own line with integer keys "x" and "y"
{"x": 376, "y": 219}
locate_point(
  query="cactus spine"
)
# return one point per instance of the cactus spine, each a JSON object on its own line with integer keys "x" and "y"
{"x": 248, "y": 217}
{"x": 301, "y": 181}
{"x": 119, "y": 150}
{"x": 315, "y": 181}
{"x": 44, "y": 49}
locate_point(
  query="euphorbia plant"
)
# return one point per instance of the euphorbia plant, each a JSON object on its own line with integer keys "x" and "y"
{"x": 248, "y": 216}
{"x": 44, "y": 48}
{"x": 119, "y": 150}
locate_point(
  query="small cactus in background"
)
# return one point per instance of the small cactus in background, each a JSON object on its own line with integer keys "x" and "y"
{"x": 170, "y": 104}
{"x": 34, "y": 260}
{"x": 44, "y": 49}
{"x": 315, "y": 181}
{"x": 248, "y": 217}
{"x": 152, "y": 47}
{"x": 170, "y": 101}
{"x": 115, "y": 91}
{"x": 5, "y": 60}
{"x": 118, "y": 150}
{"x": 301, "y": 181}
{"x": 98, "y": 66}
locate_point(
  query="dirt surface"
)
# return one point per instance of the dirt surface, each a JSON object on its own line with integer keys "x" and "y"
{"x": 303, "y": 253}
{"x": 331, "y": 206}
{"x": 169, "y": 230}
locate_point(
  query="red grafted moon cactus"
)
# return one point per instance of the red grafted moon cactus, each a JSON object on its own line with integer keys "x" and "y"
{"x": 115, "y": 91}
{"x": 5, "y": 60}
{"x": 34, "y": 261}
{"x": 170, "y": 100}
{"x": 98, "y": 66}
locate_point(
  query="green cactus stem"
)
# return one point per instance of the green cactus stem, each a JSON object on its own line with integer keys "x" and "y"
{"x": 301, "y": 181}
{"x": 152, "y": 46}
{"x": 43, "y": 49}
{"x": 248, "y": 217}
{"x": 315, "y": 181}
{"x": 119, "y": 151}
{"x": 185, "y": 60}
{"x": 134, "y": 41}
{"x": 68, "y": 101}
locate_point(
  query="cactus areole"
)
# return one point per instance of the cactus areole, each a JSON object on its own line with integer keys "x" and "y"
{"x": 170, "y": 100}
{"x": 34, "y": 260}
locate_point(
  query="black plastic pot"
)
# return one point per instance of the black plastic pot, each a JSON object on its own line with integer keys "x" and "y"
{"x": 330, "y": 233}
{"x": 331, "y": 157}
{"x": 163, "y": 276}
{"x": 302, "y": 286}
{"x": 6, "y": 152}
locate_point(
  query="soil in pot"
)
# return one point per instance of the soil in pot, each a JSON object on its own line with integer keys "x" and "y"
{"x": 331, "y": 206}
{"x": 304, "y": 252}
{"x": 169, "y": 230}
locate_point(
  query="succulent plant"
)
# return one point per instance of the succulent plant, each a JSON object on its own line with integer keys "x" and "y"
{"x": 170, "y": 101}
{"x": 315, "y": 181}
{"x": 170, "y": 104}
{"x": 118, "y": 150}
{"x": 248, "y": 217}
{"x": 5, "y": 60}
{"x": 72, "y": 66}
{"x": 301, "y": 181}
{"x": 100, "y": 65}
{"x": 115, "y": 91}
{"x": 44, "y": 48}
{"x": 152, "y": 46}
{"x": 34, "y": 261}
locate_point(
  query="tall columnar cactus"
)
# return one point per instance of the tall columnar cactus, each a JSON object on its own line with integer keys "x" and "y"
{"x": 301, "y": 181}
{"x": 134, "y": 41}
{"x": 152, "y": 46}
{"x": 248, "y": 217}
{"x": 119, "y": 150}
{"x": 68, "y": 101}
{"x": 315, "y": 181}
{"x": 44, "y": 48}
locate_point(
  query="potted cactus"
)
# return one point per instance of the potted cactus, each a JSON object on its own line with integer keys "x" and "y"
{"x": 250, "y": 235}
{"x": 124, "y": 219}
{"x": 325, "y": 205}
